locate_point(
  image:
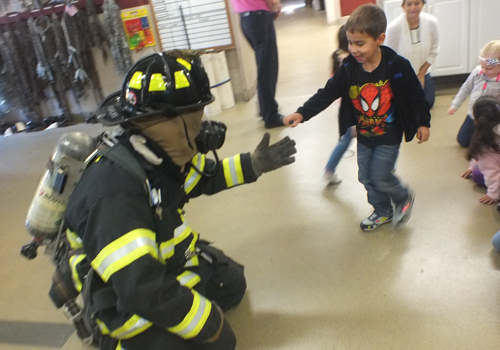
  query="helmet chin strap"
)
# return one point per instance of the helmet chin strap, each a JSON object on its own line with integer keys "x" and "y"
{"x": 187, "y": 133}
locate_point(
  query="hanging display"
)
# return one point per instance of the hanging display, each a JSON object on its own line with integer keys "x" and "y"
{"x": 138, "y": 29}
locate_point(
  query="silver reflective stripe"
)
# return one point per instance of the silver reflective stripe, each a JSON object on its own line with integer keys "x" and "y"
{"x": 192, "y": 262}
{"x": 166, "y": 250}
{"x": 178, "y": 231}
{"x": 232, "y": 170}
{"x": 184, "y": 280}
{"x": 141, "y": 322}
{"x": 196, "y": 319}
{"x": 124, "y": 251}
{"x": 194, "y": 176}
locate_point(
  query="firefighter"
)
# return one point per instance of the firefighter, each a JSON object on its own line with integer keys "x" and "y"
{"x": 155, "y": 284}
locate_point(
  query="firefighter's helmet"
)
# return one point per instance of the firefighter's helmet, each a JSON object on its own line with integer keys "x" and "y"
{"x": 166, "y": 84}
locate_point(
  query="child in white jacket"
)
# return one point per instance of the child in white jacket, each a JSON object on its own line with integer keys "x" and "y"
{"x": 485, "y": 146}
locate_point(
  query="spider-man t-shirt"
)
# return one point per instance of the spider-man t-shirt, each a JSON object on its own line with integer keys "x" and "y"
{"x": 371, "y": 95}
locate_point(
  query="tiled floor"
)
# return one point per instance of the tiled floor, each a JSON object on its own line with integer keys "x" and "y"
{"x": 315, "y": 280}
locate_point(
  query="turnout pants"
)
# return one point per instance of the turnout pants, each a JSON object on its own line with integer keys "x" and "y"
{"x": 222, "y": 281}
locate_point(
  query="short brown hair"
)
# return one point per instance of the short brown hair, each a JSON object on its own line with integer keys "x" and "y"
{"x": 369, "y": 19}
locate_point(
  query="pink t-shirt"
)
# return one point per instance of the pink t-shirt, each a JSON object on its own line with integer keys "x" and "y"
{"x": 249, "y": 5}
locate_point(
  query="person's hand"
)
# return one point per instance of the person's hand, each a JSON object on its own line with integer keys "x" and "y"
{"x": 421, "y": 77}
{"x": 271, "y": 157}
{"x": 487, "y": 200}
{"x": 292, "y": 120}
{"x": 451, "y": 111}
{"x": 277, "y": 13}
{"x": 423, "y": 134}
{"x": 467, "y": 174}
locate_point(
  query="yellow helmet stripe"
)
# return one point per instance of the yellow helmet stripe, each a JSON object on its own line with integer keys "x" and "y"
{"x": 181, "y": 81}
{"x": 184, "y": 63}
{"x": 136, "y": 81}
{"x": 157, "y": 83}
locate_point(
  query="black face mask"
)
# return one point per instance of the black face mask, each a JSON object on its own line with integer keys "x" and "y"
{"x": 211, "y": 136}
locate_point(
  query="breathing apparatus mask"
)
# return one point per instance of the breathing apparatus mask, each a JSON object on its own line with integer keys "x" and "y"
{"x": 163, "y": 95}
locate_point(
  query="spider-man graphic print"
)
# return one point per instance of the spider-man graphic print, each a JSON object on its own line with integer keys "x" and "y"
{"x": 373, "y": 102}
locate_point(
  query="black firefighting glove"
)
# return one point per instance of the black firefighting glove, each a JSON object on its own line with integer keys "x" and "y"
{"x": 267, "y": 158}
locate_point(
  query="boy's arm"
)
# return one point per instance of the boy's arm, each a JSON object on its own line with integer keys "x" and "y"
{"x": 325, "y": 96}
{"x": 416, "y": 99}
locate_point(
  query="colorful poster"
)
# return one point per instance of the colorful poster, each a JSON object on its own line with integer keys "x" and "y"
{"x": 138, "y": 29}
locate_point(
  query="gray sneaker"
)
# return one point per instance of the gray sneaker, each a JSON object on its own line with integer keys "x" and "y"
{"x": 374, "y": 221}
{"x": 402, "y": 212}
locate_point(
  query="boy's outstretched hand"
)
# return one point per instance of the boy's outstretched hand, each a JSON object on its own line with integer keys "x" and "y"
{"x": 423, "y": 134}
{"x": 292, "y": 120}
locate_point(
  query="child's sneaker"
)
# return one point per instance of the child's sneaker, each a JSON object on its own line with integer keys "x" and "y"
{"x": 374, "y": 221}
{"x": 332, "y": 178}
{"x": 402, "y": 212}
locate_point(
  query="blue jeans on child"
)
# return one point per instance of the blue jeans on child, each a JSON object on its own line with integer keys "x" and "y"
{"x": 496, "y": 241}
{"x": 466, "y": 131}
{"x": 339, "y": 151}
{"x": 429, "y": 90}
{"x": 376, "y": 173}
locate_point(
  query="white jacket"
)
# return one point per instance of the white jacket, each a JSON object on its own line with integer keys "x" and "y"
{"x": 398, "y": 38}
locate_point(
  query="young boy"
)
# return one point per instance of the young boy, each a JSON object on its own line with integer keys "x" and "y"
{"x": 383, "y": 97}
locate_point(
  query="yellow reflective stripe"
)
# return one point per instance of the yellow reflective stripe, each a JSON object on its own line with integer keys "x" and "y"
{"x": 124, "y": 251}
{"x": 102, "y": 327}
{"x": 181, "y": 81}
{"x": 136, "y": 81}
{"x": 233, "y": 171}
{"x": 73, "y": 262}
{"x": 194, "y": 321}
{"x": 184, "y": 63}
{"x": 131, "y": 328}
{"x": 167, "y": 249}
{"x": 119, "y": 346}
{"x": 193, "y": 176}
{"x": 192, "y": 262}
{"x": 157, "y": 83}
{"x": 182, "y": 232}
{"x": 188, "y": 279}
{"x": 74, "y": 241}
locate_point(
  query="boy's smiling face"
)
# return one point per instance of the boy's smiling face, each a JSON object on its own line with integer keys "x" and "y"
{"x": 364, "y": 48}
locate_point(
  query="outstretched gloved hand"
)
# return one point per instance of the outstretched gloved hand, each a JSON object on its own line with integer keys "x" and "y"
{"x": 271, "y": 157}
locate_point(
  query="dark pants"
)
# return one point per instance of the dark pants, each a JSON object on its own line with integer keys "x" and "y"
{"x": 429, "y": 90}
{"x": 466, "y": 131}
{"x": 258, "y": 28}
{"x": 223, "y": 282}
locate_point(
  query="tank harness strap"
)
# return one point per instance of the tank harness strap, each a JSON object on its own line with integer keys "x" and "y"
{"x": 122, "y": 156}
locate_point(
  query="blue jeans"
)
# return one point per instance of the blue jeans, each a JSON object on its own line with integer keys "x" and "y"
{"x": 466, "y": 131}
{"x": 429, "y": 90}
{"x": 376, "y": 173}
{"x": 496, "y": 241}
{"x": 339, "y": 151}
